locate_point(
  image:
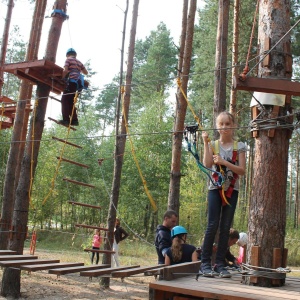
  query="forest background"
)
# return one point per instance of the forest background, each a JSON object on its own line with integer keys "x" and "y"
{"x": 151, "y": 122}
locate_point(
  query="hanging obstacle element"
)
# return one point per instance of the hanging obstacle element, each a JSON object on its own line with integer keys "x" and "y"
{"x": 51, "y": 119}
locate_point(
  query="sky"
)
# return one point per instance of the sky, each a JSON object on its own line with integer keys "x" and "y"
{"x": 94, "y": 29}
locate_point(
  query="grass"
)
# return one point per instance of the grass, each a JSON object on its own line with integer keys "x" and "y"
{"x": 71, "y": 246}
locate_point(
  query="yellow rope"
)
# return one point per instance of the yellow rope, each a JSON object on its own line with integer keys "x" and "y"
{"x": 198, "y": 122}
{"x": 135, "y": 158}
{"x": 61, "y": 152}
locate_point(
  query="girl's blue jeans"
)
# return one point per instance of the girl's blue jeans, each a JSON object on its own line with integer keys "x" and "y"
{"x": 218, "y": 217}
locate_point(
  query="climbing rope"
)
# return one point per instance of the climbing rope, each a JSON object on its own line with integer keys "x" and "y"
{"x": 153, "y": 204}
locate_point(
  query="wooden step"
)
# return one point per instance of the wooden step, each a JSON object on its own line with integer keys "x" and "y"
{"x": 91, "y": 226}
{"x": 72, "y": 162}
{"x": 17, "y": 263}
{"x": 99, "y": 251}
{"x": 70, "y": 270}
{"x": 129, "y": 272}
{"x": 68, "y": 143}
{"x": 7, "y": 252}
{"x": 57, "y": 122}
{"x": 16, "y": 257}
{"x": 108, "y": 271}
{"x": 34, "y": 268}
{"x": 79, "y": 183}
{"x": 84, "y": 204}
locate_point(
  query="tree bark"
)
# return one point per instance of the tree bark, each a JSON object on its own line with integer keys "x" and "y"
{"x": 235, "y": 55}
{"x": 267, "y": 221}
{"x": 11, "y": 277}
{"x": 20, "y": 129}
{"x": 120, "y": 146}
{"x": 174, "y": 189}
{"x": 221, "y": 60}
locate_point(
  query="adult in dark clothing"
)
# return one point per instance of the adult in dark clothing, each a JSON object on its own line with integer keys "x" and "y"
{"x": 119, "y": 235}
{"x": 163, "y": 238}
{"x": 180, "y": 252}
{"x": 72, "y": 70}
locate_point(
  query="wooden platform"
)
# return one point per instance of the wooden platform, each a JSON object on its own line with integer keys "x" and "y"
{"x": 217, "y": 288}
{"x": 43, "y": 71}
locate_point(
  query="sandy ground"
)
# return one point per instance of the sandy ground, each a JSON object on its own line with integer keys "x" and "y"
{"x": 41, "y": 285}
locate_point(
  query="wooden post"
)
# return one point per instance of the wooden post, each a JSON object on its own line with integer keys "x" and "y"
{"x": 255, "y": 259}
{"x": 277, "y": 262}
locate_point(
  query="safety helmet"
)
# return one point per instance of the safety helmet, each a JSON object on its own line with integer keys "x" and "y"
{"x": 243, "y": 239}
{"x": 178, "y": 230}
{"x": 71, "y": 51}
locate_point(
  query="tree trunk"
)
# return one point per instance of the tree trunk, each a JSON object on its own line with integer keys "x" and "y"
{"x": 174, "y": 189}
{"x": 221, "y": 60}
{"x": 267, "y": 221}
{"x": 4, "y": 41}
{"x": 235, "y": 55}
{"x": 120, "y": 146}
{"x": 20, "y": 129}
{"x": 11, "y": 277}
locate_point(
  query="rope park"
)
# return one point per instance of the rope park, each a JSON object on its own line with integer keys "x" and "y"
{"x": 189, "y": 134}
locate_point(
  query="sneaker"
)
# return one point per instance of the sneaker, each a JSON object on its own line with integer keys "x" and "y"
{"x": 206, "y": 270}
{"x": 75, "y": 123}
{"x": 63, "y": 122}
{"x": 222, "y": 271}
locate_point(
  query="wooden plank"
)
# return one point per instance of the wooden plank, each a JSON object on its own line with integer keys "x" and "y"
{"x": 16, "y": 263}
{"x": 274, "y": 115}
{"x": 276, "y": 263}
{"x": 91, "y": 226}
{"x": 64, "y": 141}
{"x": 129, "y": 272}
{"x": 71, "y": 127}
{"x": 79, "y": 182}
{"x": 218, "y": 288}
{"x": 73, "y": 162}
{"x": 16, "y": 257}
{"x": 99, "y": 251}
{"x": 7, "y": 252}
{"x": 62, "y": 271}
{"x": 255, "y": 259}
{"x": 85, "y": 204}
{"x": 34, "y": 268}
{"x": 268, "y": 85}
{"x": 169, "y": 272}
{"x": 154, "y": 272}
{"x": 107, "y": 271}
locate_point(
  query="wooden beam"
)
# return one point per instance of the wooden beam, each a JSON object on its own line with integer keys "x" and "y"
{"x": 99, "y": 251}
{"x": 255, "y": 259}
{"x": 79, "y": 182}
{"x": 18, "y": 263}
{"x": 72, "y": 162}
{"x": 107, "y": 271}
{"x": 268, "y": 85}
{"x": 84, "y": 204}
{"x": 63, "y": 271}
{"x": 34, "y": 268}
{"x": 7, "y": 252}
{"x": 16, "y": 257}
{"x": 73, "y": 128}
{"x": 191, "y": 267}
{"x": 64, "y": 141}
{"x": 90, "y": 226}
{"x": 129, "y": 272}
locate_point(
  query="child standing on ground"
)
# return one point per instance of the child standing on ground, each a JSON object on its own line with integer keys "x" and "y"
{"x": 219, "y": 155}
{"x": 97, "y": 241}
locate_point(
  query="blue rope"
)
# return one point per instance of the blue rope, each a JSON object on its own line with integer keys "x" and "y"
{"x": 204, "y": 169}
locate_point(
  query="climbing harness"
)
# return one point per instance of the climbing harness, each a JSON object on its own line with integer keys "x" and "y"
{"x": 224, "y": 195}
{"x": 218, "y": 178}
